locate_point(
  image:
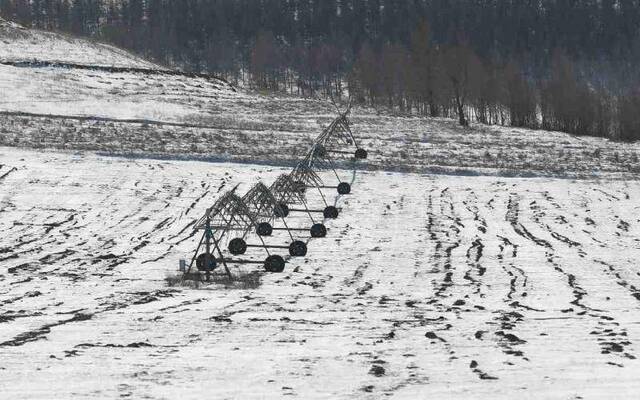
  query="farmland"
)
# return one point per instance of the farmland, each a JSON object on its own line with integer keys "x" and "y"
{"x": 467, "y": 263}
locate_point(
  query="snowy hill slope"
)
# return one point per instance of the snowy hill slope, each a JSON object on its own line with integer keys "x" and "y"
{"x": 48, "y": 73}
{"x": 180, "y": 116}
{"x": 116, "y": 95}
{"x": 20, "y": 44}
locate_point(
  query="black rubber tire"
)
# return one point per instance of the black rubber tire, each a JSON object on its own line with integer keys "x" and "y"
{"x": 331, "y": 212}
{"x": 298, "y": 249}
{"x": 274, "y": 264}
{"x": 361, "y": 154}
{"x": 237, "y": 246}
{"x": 344, "y": 188}
{"x": 264, "y": 229}
{"x": 281, "y": 210}
{"x": 318, "y": 231}
{"x": 201, "y": 263}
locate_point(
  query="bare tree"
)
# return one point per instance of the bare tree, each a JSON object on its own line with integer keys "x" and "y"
{"x": 365, "y": 74}
{"x": 393, "y": 62}
{"x": 520, "y": 98}
{"x": 425, "y": 70}
{"x": 462, "y": 68}
{"x": 265, "y": 61}
{"x": 629, "y": 117}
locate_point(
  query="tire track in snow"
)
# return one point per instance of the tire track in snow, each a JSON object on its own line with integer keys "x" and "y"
{"x": 614, "y": 272}
{"x": 447, "y": 231}
{"x": 474, "y": 253}
{"x": 605, "y": 328}
{"x": 5, "y": 171}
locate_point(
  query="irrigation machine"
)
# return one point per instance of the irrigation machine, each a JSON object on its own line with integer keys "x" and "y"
{"x": 235, "y": 227}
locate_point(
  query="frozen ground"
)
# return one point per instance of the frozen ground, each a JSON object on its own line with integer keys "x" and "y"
{"x": 446, "y": 287}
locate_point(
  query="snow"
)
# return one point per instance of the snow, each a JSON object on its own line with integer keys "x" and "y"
{"x": 487, "y": 262}
{"x": 153, "y": 114}
{"x": 445, "y": 282}
{"x": 185, "y": 117}
{"x": 20, "y": 44}
{"x": 219, "y": 124}
{"x": 124, "y": 95}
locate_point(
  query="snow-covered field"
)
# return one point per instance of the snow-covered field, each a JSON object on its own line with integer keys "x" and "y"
{"x": 444, "y": 286}
{"x": 246, "y": 127}
{"x": 468, "y": 263}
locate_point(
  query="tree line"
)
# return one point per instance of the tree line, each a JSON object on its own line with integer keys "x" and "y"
{"x": 454, "y": 81}
{"x": 554, "y": 64}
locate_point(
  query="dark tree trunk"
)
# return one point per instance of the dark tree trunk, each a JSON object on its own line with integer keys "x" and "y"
{"x": 460, "y": 107}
